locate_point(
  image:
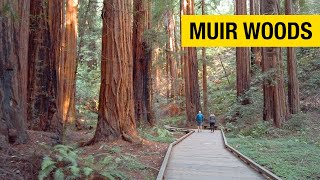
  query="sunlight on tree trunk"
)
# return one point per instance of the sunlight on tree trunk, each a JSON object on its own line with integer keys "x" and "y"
{"x": 69, "y": 63}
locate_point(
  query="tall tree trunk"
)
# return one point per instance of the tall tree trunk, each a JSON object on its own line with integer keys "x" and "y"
{"x": 192, "y": 91}
{"x": 42, "y": 80}
{"x": 142, "y": 63}
{"x": 68, "y": 65}
{"x": 204, "y": 73}
{"x": 293, "y": 82}
{"x": 273, "y": 88}
{"x": 14, "y": 36}
{"x": 243, "y": 59}
{"x": 116, "y": 108}
{"x": 170, "y": 50}
{"x": 255, "y": 10}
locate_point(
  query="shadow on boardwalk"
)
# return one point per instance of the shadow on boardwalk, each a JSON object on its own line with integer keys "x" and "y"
{"x": 202, "y": 156}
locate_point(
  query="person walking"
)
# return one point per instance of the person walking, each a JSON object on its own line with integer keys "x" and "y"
{"x": 199, "y": 119}
{"x": 212, "y": 121}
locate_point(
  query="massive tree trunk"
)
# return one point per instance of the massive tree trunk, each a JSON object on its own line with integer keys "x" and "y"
{"x": 14, "y": 36}
{"x": 192, "y": 91}
{"x": 170, "y": 50}
{"x": 116, "y": 108}
{"x": 42, "y": 80}
{"x": 273, "y": 88}
{"x": 293, "y": 82}
{"x": 243, "y": 60}
{"x": 142, "y": 63}
{"x": 255, "y": 10}
{"x": 68, "y": 65}
{"x": 204, "y": 73}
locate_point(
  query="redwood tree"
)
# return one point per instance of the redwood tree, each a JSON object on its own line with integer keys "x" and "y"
{"x": 242, "y": 59}
{"x": 116, "y": 108}
{"x": 42, "y": 80}
{"x": 192, "y": 92}
{"x": 273, "y": 87}
{"x": 142, "y": 62}
{"x": 170, "y": 50}
{"x": 14, "y": 38}
{"x": 68, "y": 63}
{"x": 256, "y": 51}
{"x": 204, "y": 73}
{"x": 293, "y": 82}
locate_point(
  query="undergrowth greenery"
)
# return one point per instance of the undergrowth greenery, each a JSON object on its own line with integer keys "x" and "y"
{"x": 289, "y": 158}
{"x": 157, "y": 134}
{"x": 66, "y": 162}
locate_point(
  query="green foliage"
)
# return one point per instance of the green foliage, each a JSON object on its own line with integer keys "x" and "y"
{"x": 131, "y": 162}
{"x": 289, "y": 158}
{"x": 259, "y": 129}
{"x": 73, "y": 166}
{"x": 296, "y": 122}
{"x": 157, "y": 134}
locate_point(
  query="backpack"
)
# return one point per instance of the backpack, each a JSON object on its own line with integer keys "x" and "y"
{"x": 212, "y": 119}
{"x": 199, "y": 117}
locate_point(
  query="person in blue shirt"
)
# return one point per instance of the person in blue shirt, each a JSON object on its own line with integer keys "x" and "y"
{"x": 199, "y": 119}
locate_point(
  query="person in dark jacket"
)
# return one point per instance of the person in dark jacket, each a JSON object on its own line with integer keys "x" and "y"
{"x": 212, "y": 121}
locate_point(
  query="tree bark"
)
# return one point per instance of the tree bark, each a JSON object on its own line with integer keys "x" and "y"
{"x": 14, "y": 36}
{"x": 204, "y": 74}
{"x": 273, "y": 88}
{"x": 116, "y": 108}
{"x": 242, "y": 60}
{"x": 68, "y": 65}
{"x": 293, "y": 82}
{"x": 142, "y": 63}
{"x": 255, "y": 10}
{"x": 192, "y": 91}
{"x": 170, "y": 50}
{"x": 42, "y": 80}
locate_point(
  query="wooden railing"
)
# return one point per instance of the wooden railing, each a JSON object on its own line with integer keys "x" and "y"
{"x": 248, "y": 161}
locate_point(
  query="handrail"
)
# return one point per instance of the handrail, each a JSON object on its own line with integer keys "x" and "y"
{"x": 167, "y": 156}
{"x": 248, "y": 161}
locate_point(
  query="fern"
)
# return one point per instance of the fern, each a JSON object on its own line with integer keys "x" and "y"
{"x": 59, "y": 175}
{"x": 87, "y": 171}
{"x": 75, "y": 170}
{"x": 47, "y": 166}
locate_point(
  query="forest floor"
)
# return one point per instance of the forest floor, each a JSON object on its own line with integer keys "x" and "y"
{"x": 119, "y": 159}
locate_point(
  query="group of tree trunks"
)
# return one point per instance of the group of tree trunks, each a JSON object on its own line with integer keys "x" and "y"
{"x": 269, "y": 59}
{"x": 38, "y": 67}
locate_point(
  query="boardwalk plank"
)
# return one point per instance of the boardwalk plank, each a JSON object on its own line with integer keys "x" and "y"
{"x": 203, "y": 156}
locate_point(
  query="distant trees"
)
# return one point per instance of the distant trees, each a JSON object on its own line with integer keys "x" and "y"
{"x": 242, "y": 59}
{"x": 192, "y": 92}
{"x": 293, "y": 82}
{"x": 275, "y": 104}
{"x": 204, "y": 71}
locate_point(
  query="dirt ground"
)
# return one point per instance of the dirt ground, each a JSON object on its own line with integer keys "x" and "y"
{"x": 24, "y": 161}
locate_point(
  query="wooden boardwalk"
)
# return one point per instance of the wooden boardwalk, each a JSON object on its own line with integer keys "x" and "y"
{"x": 202, "y": 156}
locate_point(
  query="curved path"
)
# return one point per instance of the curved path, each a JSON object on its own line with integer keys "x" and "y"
{"x": 202, "y": 156}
